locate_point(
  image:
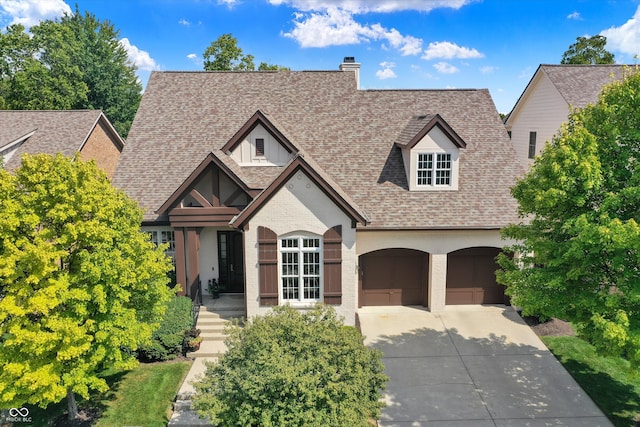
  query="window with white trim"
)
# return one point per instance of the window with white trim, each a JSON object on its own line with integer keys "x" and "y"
{"x": 300, "y": 268}
{"x": 434, "y": 169}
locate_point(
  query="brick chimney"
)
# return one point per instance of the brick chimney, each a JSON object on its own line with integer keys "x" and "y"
{"x": 349, "y": 64}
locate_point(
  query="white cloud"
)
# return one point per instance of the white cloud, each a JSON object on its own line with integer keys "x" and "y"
{"x": 139, "y": 58}
{"x": 192, "y": 56}
{"x": 184, "y": 22}
{"x": 229, "y": 3}
{"x": 365, "y": 6}
{"x": 335, "y": 27}
{"x": 575, "y": 15}
{"x": 448, "y": 50}
{"x": 445, "y": 68}
{"x": 488, "y": 69}
{"x": 386, "y": 72}
{"x": 625, "y": 38}
{"x": 31, "y": 12}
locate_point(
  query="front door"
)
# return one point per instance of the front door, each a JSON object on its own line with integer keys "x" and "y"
{"x": 230, "y": 261}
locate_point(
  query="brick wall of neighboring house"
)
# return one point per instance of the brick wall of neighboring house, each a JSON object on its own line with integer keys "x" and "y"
{"x": 101, "y": 148}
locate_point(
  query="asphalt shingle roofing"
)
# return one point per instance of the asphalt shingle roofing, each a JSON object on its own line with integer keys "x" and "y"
{"x": 580, "y": 85}
{"x": 54, "y": 131}
{"x": 349, "y": 133}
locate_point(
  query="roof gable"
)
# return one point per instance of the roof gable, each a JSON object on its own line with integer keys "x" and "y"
{"x": 331, "y": 189}
{"x": 187, "y": 188}
{"x": 419, "y": 126}
{"x": 259, "y": 118}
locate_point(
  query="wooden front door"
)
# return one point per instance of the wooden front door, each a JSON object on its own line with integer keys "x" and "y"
{"x": 230, "y": 261}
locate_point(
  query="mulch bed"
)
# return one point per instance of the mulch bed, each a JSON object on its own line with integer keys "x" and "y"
{"x": 552, "y": 327}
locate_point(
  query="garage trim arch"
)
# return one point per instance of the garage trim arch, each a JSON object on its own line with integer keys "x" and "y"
{"x": 436, "y": 244}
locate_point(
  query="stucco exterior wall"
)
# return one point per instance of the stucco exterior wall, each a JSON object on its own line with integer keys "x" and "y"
{"x": 542, "y": 110}
{"x": 101, "y": 148}
{"x": 437, "y": 243}
{"x": 300, "y": 206}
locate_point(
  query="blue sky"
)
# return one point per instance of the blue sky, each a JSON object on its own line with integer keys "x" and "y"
{"x": 494, "y": 44}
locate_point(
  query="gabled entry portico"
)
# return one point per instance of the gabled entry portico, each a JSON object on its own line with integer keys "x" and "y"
{"x": 199, "y": 212}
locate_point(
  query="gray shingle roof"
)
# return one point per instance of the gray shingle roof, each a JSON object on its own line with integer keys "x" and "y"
{"x": 350, "y": 134}
{"x": 580, "y": 85}
{"x": 55, "y": 131}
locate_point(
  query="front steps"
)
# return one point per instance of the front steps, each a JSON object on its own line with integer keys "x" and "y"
{"x": 214, "y": 315}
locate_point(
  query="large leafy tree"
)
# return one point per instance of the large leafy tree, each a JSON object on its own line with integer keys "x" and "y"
{"x": 73, "y": 63}
{"x": 579, "y": 242}
{"x": 292, "y": 368}
{"x": 81, "y": 287}
{"x": 588, "y": 50}
{"x": 224, "y": 54}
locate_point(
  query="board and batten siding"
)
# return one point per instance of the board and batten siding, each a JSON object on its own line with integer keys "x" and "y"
{"x": 274, "y": 153}
{"x": 542, "y": 110}
{"x": 300, "y": 206}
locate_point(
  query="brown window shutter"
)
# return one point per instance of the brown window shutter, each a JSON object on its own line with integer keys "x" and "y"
{"x": 268, "y": 266}
{"x": 332, "y": 256}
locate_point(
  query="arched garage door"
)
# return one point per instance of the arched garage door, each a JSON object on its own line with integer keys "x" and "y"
{"x": 394, "y": 277}
{"x": 471, "y": 277}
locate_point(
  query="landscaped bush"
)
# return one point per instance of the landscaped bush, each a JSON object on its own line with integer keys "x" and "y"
{"x": 166, "y": 342}
{"x": 291, "y": 368}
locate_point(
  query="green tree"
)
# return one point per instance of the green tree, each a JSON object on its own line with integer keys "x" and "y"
{"x": 224, "y": 54}
{"x": 579, "y": 241}
{"x": 81, "y": 287}
{"x": 588, "y": 50}
{"x": 291, "y": 368}
{"x": 73, "y": 63}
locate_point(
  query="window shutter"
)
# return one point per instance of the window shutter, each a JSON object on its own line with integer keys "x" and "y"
{"x": 332, "y": 256}
{"x": 268, "y": 266}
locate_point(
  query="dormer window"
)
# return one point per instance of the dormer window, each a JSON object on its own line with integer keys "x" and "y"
{"x": 428, "y": 169}
{"x": 431, "y": 154}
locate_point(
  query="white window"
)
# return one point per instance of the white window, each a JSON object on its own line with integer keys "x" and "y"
{"x": 300, "y": 272}
{"x": 160, "y": 237}
{"x": 434, "y": 169}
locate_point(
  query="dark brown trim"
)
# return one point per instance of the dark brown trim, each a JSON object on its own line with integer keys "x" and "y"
{"x": 436, "y": 121}
{"x": 200, "y": 198}
{"x": 193, "y": 268}
{"x": 267, "y": 266}
{"x": 193, "y": 177}
{"x": 294, "y": 166}
{"x": 181, "y": 263}
{"x": 202, "y": 217}
{"x": 258, "y": 118}
{"x": 332, "y": 265}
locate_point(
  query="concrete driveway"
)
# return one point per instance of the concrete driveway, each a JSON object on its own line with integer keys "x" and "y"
{"x": 471, "y": 366}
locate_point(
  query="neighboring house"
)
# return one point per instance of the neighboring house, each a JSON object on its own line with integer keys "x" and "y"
{"x": 296, "y": 187}
{"x": 546, "y": 102}
{"x": 88, "y": 132}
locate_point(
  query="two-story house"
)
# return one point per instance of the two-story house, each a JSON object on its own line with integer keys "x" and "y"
{"x": 547, "y": 100}
{"x": 298, "y": 187}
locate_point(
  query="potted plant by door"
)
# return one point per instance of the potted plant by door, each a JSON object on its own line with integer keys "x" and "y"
{"x": 214, "y": 288}
{"x": 192, "y": 340}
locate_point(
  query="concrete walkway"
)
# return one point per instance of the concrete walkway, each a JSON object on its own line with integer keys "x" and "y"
{"x": 471, "y": 366}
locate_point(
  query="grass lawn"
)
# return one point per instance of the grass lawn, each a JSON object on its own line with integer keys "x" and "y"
{"x": 609, "y": 381}
{"x": 140, "y": 397}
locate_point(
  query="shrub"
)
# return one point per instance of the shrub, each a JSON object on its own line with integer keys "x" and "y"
{"x": 294, "y": 369}
{"x": 166, "y": 342}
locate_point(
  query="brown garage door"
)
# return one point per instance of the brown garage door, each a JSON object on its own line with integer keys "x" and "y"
{"x": 394, "y": 277}
{"x": 471, "y": 277}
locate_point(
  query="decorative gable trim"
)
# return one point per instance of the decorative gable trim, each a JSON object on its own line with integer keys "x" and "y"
{"x": 259, "y": 118}
{"x": 187, "y": 186}
{"x": 435, "y": 121}
{"x": 299, "y": 164}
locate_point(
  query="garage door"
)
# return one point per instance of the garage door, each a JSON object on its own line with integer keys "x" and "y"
{"x": 394, "y": 277}
{"x": 471, "y": 277}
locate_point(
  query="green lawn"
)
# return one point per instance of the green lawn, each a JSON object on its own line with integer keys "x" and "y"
{"x": 610, "y": 382}
{"x": 140, "y": 397}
